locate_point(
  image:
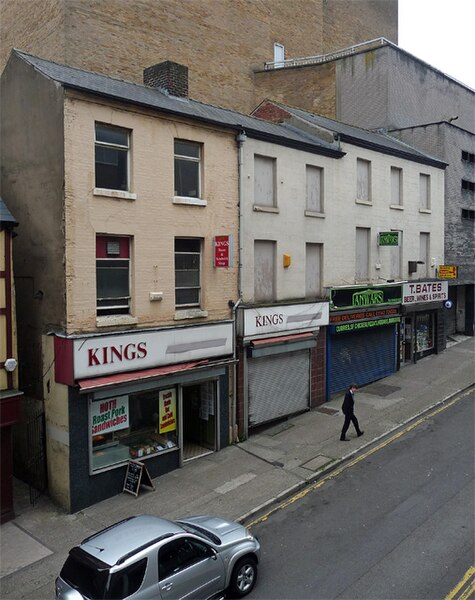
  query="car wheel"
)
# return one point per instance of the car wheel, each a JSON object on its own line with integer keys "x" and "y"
{"x": 243, "y": 577}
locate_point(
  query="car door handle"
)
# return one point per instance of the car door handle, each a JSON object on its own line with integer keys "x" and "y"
{"x": 167, "y": 587}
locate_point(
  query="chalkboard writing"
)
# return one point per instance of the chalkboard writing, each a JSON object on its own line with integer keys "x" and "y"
{"x": 135, "y": 476}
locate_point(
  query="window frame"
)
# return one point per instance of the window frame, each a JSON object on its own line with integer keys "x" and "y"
{"x": 111, "y": 146}
{"x": 271, "y": 288}
{"x": 425, "y": 203}
{"x": 200, "y": 271}
{"x": 263, "y": 206}
{"x": 309, "y": 210}
{"x": 125, "y": 249}
{"x": 368, "y": 199}
{"x": 188, "y": 159}
{"x": 393, "y": 171}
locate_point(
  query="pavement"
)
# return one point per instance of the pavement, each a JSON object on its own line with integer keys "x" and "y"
{"x": 240, "y": 481}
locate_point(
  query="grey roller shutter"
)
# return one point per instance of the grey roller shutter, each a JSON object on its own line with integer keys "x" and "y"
{"x": 278, "y": 385}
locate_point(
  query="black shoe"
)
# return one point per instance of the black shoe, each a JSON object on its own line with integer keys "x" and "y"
{"x": 344, "y": 440}
{"x": 360, "y": 433}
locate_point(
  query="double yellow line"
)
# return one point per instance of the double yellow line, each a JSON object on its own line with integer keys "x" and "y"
{"x": 465, "y": 589}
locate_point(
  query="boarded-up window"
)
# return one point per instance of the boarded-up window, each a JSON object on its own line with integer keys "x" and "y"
{"x": 424, "y": 254}
{"x": 363, "y": 179}
{"x": 314, "y": 189}
{"x": 264, "y": 180}
{"x": 264, "y": 271}
{"x": 424, "y": 191}
{"x": 313, "y": 270}
{"x": 396, "y": 186}
{"x": 395, "y": 259}
{"x": 362, "y": 254}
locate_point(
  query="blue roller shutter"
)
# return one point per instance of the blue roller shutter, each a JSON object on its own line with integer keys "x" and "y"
{"x": 360, "y": 357}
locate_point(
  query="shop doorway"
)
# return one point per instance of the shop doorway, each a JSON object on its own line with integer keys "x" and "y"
{"x": 199, "y": 419}
{"x": 407, "y": 346}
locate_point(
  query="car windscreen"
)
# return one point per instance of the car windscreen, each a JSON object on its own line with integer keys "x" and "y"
{"x": 200, "y": 531}
{"x": 84, "y": 577}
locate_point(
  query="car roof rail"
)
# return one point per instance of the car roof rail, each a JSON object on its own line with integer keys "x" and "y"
{"x": 143, "y": 547}
{"x": 91, "y": 537}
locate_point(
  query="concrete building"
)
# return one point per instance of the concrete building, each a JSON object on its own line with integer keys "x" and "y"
{"x": 221, "y": 41}
{"x": 129, "y": 265}
{"x": 10, "y": 395}
{"x": 360, "y": 231}
{"x": 376, "y": 85}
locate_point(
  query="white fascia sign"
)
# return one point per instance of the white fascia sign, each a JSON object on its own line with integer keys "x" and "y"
{"x": 425, "y": 291}
{"x": 108, "y": 354}
{"x": 274, "y": 320}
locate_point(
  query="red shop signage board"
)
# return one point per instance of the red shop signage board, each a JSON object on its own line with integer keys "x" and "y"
{"x": 223, "y": 251}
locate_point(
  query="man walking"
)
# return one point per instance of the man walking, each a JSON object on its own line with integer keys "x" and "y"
{"x": 347, "y": 408}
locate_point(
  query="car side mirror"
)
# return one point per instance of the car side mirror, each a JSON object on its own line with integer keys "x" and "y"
{"x": 214, "y": 554}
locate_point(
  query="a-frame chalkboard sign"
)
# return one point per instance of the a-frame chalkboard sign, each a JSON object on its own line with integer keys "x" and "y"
{"x": 135, "y": 476}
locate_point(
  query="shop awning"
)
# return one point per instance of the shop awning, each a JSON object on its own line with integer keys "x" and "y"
{"x": 86, "y": 385}
{"x": 286, "y": 343}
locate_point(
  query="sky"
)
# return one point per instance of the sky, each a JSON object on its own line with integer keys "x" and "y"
{"x": 442, "y": 33}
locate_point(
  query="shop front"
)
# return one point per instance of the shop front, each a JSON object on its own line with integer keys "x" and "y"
{"x": 362, "y": 336}
{"x": 423, "y": 319}
{"x": 161, "y": 397}
{"x": 281, "y": 354}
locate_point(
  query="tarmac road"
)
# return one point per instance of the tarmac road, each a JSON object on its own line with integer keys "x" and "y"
{"x": 399, "y": 524}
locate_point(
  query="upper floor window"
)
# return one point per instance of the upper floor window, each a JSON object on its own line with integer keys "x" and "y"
{"x": 314, "y": 189}
{"x": 362, "y": 253}
{"x": 396, "y": 186}
{"x": 469, "y": 214}
{"x": 112, "y": 275}
{"x": 264, "y": 181}
{"x": 264, "y": 270}
{"x": 279, "y": 55}
{"x": 424, "y": 191}
{"x": 187, "y": 169}
{"x": 468, "y": 156}
{"x": 112, "y": 147}
{"x": 424, "y": 253}
{"x": 468, "y": 186}
{"x": 313, "y": 270}
{"x": 187, "y": 272}
{"x": 363, "y": 180}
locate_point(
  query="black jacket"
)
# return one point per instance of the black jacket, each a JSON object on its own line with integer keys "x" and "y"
{"x": 348, "y": 404}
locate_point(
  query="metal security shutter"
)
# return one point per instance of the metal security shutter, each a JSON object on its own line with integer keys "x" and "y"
{"x": 361, "y": 357}
{"x": 278, "y": 385}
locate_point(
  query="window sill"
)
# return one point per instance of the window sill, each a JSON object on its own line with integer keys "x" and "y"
{"x": 396, "y": 206}
{"x": 267, "y": 209}
{"x": 114, "y": 320}
{"x": 311, "y": 213}
{"x": 120, "y": 194}
{"x": 425, "y": 211}
{"x": 364, "y": 202}
{"x": 189, "y": 201}
{"x": 190, "y": 313}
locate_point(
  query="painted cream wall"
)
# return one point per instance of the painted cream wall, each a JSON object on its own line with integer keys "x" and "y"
{"x": 291, "y": 229}
{"x": 57, "y": 429}
{"x": 153, "y": 220}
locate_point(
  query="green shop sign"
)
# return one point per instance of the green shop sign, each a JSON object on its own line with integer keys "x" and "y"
{"x": 346, "y": 327}
{"x": 388, "y": 238}
{"x": 361, "y": 297}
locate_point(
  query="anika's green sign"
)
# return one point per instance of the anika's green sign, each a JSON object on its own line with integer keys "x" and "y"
{"x": 388, "y": 238}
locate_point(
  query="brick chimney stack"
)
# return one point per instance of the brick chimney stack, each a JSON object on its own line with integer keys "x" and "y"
{"x": 168, "y": 76}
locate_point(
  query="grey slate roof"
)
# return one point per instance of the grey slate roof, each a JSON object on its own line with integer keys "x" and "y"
{"x": 363, "y": 137}
{"x": 125, "y": 91}
{"x": 5, "y": 215}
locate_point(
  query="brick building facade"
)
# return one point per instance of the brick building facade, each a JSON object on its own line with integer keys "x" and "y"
{"x": 221, "y": 41}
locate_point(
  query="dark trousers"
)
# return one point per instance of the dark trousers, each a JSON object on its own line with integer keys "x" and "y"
{"x": 350, "y": 419}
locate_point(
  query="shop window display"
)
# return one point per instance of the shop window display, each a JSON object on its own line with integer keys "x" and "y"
{"x": 424, "y": 333}
{"x": 133, "y": 426}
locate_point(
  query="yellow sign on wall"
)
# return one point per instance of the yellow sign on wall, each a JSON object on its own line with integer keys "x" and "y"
{"x": 447, "y": 272}
{"x": 167, "y": 410}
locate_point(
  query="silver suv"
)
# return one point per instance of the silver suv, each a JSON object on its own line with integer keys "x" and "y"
{"x": 145, "y": 557}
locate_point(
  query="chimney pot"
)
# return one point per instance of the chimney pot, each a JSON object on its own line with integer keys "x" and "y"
{"x": 169, "y": 76}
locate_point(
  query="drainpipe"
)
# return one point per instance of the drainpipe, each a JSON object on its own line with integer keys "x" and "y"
{"x": 240, "y": 139}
